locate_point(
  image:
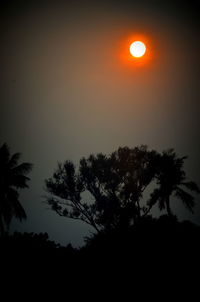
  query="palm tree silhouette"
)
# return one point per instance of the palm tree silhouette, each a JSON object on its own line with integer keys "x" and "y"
{"x": 171, "y": 179}
{"x": 12, "y": 178}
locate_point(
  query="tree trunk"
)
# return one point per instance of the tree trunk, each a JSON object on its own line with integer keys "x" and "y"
{"x": 169, "y": 212}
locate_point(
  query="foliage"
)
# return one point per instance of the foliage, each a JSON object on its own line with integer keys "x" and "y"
{"x": 171, "y": 179}
{"x": 26, "y": 241}
{"x": 106, "y": 192}
{"x": 114, "y": 184}
{"x": 12, "y": 179}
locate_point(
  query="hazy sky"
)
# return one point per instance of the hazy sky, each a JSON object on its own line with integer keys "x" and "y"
{"x": 68, "y": 89}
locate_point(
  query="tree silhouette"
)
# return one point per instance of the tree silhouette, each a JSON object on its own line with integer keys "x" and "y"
{"x": 106, "y": 191}
{"x": 170, "y": 178}
{"x": 12, "y": 178}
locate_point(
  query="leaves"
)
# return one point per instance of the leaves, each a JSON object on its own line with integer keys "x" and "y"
{"x": 12, "y": 177}
{"x": 106, "y": 190}
{"x": 113, "y": 182}
{"x": 192, "y": 186}
{"x": 186, "y": 198}
{"x": 170, "y": 176}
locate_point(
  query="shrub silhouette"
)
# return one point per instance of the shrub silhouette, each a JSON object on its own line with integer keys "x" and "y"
{"x": 27, "y": 241}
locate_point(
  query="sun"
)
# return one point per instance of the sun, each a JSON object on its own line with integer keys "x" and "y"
{"x": 137, "y": 49}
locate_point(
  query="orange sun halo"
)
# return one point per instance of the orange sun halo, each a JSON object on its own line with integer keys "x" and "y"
{"x": 136, "y": 51}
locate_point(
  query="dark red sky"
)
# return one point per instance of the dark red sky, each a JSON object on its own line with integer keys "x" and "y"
{"x": 67, "y": 89}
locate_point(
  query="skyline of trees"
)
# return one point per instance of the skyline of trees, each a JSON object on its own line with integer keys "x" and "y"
{"x": 106, "y": 191}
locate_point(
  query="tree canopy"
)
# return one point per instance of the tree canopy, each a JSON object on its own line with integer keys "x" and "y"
{"x": 107, "y": 191}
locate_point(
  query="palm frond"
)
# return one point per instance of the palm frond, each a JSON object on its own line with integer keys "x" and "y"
{"x": 16, "y": 208}
{"x": 6, "y": 211}
{"x": 186, "y": 198}
{"x": 192, "y": 186}
{"x": 154, "y": 197}
{"x": 19, "y": 181}
{"x": 13, "y": 177}
{"x": 14, "y": 160}
{"x": 23, "y": 168}
{"x": 19, "y": 211}
{"x": 4, "y": 154}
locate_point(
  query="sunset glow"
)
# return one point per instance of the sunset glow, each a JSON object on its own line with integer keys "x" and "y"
{"x": 96, "y": 95}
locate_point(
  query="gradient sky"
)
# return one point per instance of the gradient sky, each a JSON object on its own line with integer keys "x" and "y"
{"x": 69, "y": 88}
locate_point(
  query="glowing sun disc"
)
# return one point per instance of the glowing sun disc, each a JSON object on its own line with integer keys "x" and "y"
{"x": 137, "y": 49}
